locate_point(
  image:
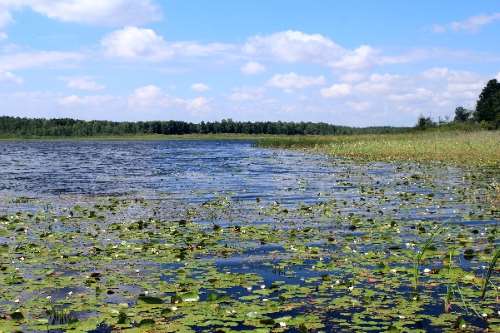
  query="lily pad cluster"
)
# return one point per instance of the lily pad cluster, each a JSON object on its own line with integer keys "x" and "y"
{"x": 411, "y": 253}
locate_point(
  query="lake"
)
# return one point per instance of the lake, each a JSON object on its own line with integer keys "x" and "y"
{"x": 210, "y": 236}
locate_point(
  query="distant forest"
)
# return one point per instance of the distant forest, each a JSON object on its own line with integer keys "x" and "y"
{"x": 26, "y": 127}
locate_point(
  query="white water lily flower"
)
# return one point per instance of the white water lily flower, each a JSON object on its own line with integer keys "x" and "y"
{"x": 252, "y": 314}
{"x": 282, "y": 324}
{"x": 249, "y": 289}
{"x": 427, "y": 271}
{"x": 262, "y": 286}
{"x": 173, "y": 308}
{"x": 351, "y": 288}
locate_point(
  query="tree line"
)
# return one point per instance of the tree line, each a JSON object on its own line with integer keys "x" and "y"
{"x": 28, "y": 127}
{"x": 486, "y": 114}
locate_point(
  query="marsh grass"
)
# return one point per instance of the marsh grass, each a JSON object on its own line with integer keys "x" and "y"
{"x": 488, "y": 274}
{"x": 472, "y": 148}
{"x": 420, "y": 256}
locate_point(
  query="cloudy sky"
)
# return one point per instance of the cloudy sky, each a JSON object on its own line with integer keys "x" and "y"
{"x": 356, "y": 62}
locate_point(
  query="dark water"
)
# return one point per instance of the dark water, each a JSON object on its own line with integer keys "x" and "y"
{"x": 178, "y": 168}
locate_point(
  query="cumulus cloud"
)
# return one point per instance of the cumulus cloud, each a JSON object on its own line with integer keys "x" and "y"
{"x": 107, "y": 13}
{"x": 199, "y": 87}
{"x": 152, "y": 97}
{"x": 83, "y": 83}
{"x": 135, "y": 43}
{"x": 253, "y": 68}
{"x": 87, "y": 101}
{"x": 292, "y": 81}
{"x": 293, "y": 46}
{"x": 360, "y": 58}
{"x": 471, "y": 24}
{"x": 198, "y": 103}
{"x": 299, "y": 47}
{"x": 336, "y": 90}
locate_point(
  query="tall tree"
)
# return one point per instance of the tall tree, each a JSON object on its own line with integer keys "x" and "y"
{"x": 488, "y": 105}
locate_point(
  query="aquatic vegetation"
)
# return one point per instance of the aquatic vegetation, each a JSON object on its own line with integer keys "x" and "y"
{"x": 420, "y": 255}
{"x": 340, "y": 250}
{"x": 488, "y": 274}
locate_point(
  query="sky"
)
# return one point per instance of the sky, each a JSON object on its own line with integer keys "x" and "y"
{"x": 356, "y": 62}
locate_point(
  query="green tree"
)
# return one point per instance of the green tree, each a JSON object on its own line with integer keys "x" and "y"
{"x": 488, "y": 105}
{"x": 462, "y": 114}
{"x": 424, "y": 123}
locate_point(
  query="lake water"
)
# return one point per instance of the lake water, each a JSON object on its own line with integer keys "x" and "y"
{"x": 195, "y": 171}
{"x": 274, "y": 236}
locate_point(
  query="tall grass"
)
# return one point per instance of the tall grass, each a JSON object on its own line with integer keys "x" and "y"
{"x": 475, "y": 148}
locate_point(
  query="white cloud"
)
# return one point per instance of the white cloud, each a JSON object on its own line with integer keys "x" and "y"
{"x": 95, "y": 12}
{"x": 246, "y": 94}
{"x": 200, "y": 87}
{"x": 352, "y": 77}
{"x": 360, "y": 58}
{"x": 293, "y": 81}
{"x": 24, "y": 60}
{"x": 299, "y": 47}
{"x": 198, "y": 103}
{"x": 498, "y": 77}
{"x": 83, "y": 83}
{"x": 359, "y": 105}
{"x": 87, "y": 101}
{"x": 336, "y": 90}
{"x": 152, "y": 97}
{"x": 3, "y": 36}
{"x": 378, "y": 84}
{"x": 10, "y": 77}
{"x": 148, "y": 96}
{"x": 135, "y": 43}
{"x": 253, "y": 68}
{"x": 471, "y": 24}
{"x": 5, "y": 16}
{"x": 293, "y": 46}
{"x": 419, "y": 94}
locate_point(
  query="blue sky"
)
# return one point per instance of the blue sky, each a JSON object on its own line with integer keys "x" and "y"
{"x": 352, "y": 62}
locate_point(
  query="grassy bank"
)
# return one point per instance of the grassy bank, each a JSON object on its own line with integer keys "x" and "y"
{"x": 473, "y": 148}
